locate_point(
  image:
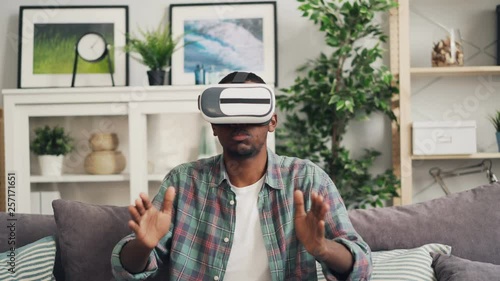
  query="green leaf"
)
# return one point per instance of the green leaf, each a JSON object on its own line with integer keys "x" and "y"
{"x": 333, "y": 99}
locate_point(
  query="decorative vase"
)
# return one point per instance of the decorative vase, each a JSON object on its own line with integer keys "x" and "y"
{"x": 104, "y": 162}
{"x": 498, "y": 141}
{"x": 156, "y": 77}
{"x": 103, "y": 141}
{"x": 50, "y": 165}
{"x": 448, "y": 48}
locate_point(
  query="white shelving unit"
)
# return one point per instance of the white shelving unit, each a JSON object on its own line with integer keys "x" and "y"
{"x": 455, "y": 71}
{"x": 457, "y": 157}
{"x": 134, "y": 103}
{"x": 401, "y": 67}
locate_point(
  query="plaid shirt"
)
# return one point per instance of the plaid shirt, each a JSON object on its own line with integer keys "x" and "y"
{"x": 204, "y": 215}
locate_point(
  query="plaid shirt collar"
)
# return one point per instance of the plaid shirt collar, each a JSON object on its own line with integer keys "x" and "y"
{"x": 273, "y": 178}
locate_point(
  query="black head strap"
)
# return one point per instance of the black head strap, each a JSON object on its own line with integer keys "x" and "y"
{"x": 240, "y": 77}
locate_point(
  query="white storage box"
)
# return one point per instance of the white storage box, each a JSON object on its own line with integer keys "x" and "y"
{"x": 443, "y": 137}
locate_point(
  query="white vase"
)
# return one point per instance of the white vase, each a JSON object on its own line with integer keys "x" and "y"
{"x": 50, "y": 165}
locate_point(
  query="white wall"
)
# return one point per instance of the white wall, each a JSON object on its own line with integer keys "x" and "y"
{"x": 298, "y": 40}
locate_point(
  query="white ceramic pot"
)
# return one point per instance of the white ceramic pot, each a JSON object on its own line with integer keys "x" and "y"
{"x": 51, "y": 165}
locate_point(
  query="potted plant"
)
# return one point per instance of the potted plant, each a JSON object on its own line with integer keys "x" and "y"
{"x": 155, "y": 48}
{"x": 335, "y": 88}
{"x": 495, "y": 120}
{"x": 51, "y": 144}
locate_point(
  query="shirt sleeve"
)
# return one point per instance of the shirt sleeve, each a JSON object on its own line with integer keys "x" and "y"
{"x": 339, "y": 228}
{"x": 158, "y": 255}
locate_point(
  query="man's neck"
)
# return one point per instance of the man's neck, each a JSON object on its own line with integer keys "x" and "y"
{"x": 244, "y": 172}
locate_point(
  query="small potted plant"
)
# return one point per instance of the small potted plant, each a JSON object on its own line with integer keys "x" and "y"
{"x": 51, "y": 144}
{"x": 495, "y": 120}
{"x": 155, "y": 48}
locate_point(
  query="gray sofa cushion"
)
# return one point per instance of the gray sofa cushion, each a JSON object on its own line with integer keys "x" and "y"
{"x": 448, "y": 268}
{"x": 87, "y": 235}
{"x": 30, "y": 228}
{"x": 468, "y": 221}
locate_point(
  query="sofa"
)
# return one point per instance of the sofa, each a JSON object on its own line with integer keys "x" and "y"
{"x": 465, "y": 226}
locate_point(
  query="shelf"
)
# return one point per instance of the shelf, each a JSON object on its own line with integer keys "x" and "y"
{"x": 457, "y": 157}
{"x": 454, "y": 71}
{"x": 79, "y": 178}
{"x": 157, "y": 177}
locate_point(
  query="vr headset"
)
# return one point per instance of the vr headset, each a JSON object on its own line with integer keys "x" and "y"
{"x": 243, "y": 103}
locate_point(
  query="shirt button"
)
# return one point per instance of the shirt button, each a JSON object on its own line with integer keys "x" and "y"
{"x": 226, "y": 239}
{"x": 231, "y": 202}
{"x": 216, "y": 277}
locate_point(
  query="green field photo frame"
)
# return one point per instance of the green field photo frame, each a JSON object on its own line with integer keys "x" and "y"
{"x": 47, "y": 39}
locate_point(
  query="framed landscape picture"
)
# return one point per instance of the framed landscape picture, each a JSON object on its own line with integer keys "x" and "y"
{"x": 224, "y": 37}
{"x": 47, "y": 39}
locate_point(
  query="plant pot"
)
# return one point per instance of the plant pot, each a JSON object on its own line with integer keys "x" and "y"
{"x": 50, "y": 165}
{"x": 156, "y": 77}
{"x": 498, "y": 141}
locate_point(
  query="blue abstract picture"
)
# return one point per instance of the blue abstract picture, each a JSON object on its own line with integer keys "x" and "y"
{"x": 230, "y": 44}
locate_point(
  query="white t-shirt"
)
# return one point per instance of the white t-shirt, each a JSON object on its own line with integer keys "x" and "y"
{"x": 248, "y": 259}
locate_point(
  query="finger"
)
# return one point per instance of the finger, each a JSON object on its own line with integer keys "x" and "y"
{"x": 139, "y": 206}
{"x": 314, "y": 203}
{"x": 133, "y": 226}
{"x": 324, "y": 210}
{"x": 134, "y": 214}
{"x": 168, "y": 200}
{"x": 321, "y": 228}
{"x": 145, "y": 200}
{"x": 318, "y": 205}
{"x": 298, "y": 201}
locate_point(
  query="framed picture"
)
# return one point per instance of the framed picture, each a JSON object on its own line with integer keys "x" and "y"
{"x": 224, "y": 37}
{"x": 48, "y": 36}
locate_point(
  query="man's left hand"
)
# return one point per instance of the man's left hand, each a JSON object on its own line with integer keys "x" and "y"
{"x": 310, "y": 226}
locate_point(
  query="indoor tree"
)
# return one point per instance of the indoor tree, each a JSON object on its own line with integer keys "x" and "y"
{"x": 336, "y": 88}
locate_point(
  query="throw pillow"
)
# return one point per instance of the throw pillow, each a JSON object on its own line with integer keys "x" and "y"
{"x": 34, "y": 261}
{"x": 437, "y": 221}
{"x": 87, "y": 235}
{"x": 454, "y": 268}
{"x": 406, "y": 264}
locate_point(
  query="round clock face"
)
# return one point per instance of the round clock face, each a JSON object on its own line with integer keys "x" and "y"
{"x": 91, "y": 47}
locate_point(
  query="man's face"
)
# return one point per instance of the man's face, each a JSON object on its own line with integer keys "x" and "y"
{"x": 243, "y": 140}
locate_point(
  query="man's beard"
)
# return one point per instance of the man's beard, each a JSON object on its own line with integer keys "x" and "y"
{"x": 244, "y": 153}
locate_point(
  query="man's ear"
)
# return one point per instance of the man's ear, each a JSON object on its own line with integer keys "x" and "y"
{"x": 273, "y": 123}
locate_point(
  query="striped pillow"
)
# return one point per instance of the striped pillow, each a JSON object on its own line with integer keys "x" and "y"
{"x": 34, "y": 261}
{"x": 407, "y": 264}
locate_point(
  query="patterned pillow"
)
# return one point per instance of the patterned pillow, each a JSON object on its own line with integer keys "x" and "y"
{"x": 34, "y": 261}
{"x": 407, "y": 264}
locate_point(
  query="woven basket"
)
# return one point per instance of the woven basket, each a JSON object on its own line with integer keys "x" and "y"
{"x": 104, "y": 162}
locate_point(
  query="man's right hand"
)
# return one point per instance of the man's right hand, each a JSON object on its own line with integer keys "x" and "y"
{"x": 148, "y": 223}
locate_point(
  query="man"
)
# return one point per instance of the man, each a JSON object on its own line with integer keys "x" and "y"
{"x": 242, "y": 216}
